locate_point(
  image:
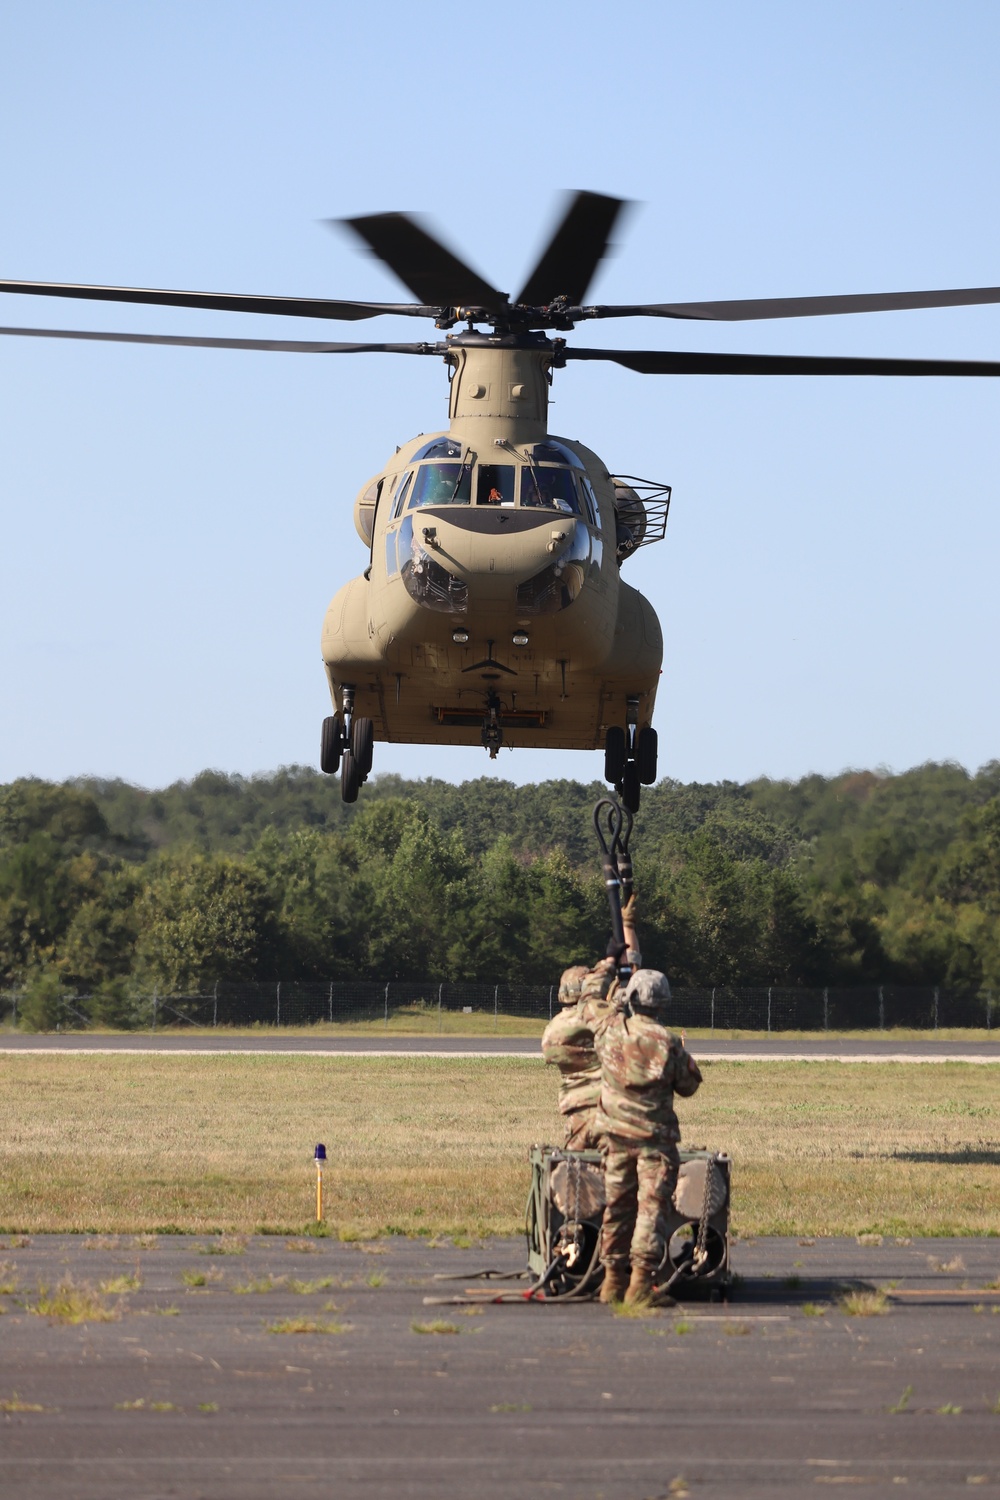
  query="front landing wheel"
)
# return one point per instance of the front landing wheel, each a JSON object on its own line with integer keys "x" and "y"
{"x": 350, "y": 777}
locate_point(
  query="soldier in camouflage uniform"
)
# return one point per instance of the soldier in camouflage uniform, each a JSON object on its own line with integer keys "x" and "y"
{"x": 642, "y": 1066}
{"x": 586, "y": 996}
{"x": 568, "y": 1043}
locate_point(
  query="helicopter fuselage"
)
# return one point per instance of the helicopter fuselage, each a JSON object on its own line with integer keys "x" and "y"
{"x": 494, "y": 576}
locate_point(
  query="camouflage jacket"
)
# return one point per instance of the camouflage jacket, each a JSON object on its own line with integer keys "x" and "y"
{"x": 642, "y": 1066}
{"x": 568, "y": 1040}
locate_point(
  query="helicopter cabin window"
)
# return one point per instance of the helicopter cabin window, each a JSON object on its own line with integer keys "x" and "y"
{"x": 390, "y": 554}
{"x": 399, "y": 499}
{"x": 553, "y": 489}
{"x": 442, "y": 484}
{"x": 554, "y": 452}
{"x": 445, "y": 447}
{"x": 590, "y": 501}
{"x": 495, "y": 484}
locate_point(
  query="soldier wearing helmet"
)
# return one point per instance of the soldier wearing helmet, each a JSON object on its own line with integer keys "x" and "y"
{"x": 643, "y": 1065}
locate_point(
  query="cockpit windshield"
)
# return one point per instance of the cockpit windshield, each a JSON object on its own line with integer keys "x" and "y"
{"x": 441, "y": 484}
{"x": 442, "y": 447}
{"x": 554, "y": 489}
{"x": 495, "y": 484}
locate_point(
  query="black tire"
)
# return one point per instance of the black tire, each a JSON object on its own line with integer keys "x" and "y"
{"x": 614, "y": 754}
{"x": 645, "y": 755}
{"x": 350, "y": 779}
{"x": 630, "y": 787}
{"x": 331, "y": 745}
{"x": 363, "y": 745}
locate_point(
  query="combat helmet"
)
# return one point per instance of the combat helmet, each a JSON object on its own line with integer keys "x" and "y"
{"x": 570, "y": 983}
{"x": 647, "y": 989}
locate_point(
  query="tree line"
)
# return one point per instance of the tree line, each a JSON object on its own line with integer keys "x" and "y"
{"x": 863, "y": 877}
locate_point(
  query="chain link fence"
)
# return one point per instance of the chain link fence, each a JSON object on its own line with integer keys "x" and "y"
{"x": 428, "y": 1005}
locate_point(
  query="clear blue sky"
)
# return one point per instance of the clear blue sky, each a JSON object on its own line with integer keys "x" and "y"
{"x": 175, "y": 521}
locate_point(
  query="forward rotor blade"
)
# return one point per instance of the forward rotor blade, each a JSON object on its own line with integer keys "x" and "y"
{"x": 294, "y": 307}
{"x": 430, "y": 270}
{"x": 568, "y": 262}
{"x": 800, "y": 307}
{"x": 281, "y": 346}
{"x": 664, "y": 362}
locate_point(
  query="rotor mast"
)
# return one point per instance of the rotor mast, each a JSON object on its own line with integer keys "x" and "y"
{"x": 499, "y": 390}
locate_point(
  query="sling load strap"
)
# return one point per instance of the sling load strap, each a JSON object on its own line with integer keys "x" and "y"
{"x": 611, "y": 821}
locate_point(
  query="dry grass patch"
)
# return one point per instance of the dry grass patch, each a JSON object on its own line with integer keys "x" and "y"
{"x": 69, "y": 1303}
{"x": 437, "y": 1147}
{"x": 864, "y": 1304}
{"x": 116, "y": 1286}
{"x": 305, "y": 1325}
{"x": 14, "y": 1403}
{"x": 436, "y": 1325}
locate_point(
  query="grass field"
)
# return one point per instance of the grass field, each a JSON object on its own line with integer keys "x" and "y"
{"x": 129, "y": 1144}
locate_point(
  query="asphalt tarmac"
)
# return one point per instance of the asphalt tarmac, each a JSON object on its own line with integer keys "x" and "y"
{"x": 192, "y": 1392}
{"x": 193, "y": 1042}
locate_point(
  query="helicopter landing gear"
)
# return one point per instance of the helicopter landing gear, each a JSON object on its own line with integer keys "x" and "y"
{"x": 630, "y": 757}
{"x": 331, "y": 745}
{"x": 349, "y": 743}
{"x": 492, "y": 727}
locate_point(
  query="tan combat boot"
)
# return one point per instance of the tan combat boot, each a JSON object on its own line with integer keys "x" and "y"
{"x": 614, "y": 1284}
{"x": 640, "y": 1288}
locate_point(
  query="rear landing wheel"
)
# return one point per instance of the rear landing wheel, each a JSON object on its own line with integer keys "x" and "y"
{"x": 363, "y": 745}
{"x": 331, "y": 745}
{"x": 614, "y": 754}
{"x": 350, "y": 778}
{"x": 645, "y": 755}
{"x": 630, "y": 787}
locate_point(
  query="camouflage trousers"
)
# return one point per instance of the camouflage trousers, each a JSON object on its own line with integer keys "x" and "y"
{"x": 580, "y": 1132}
{"x": 639, "y": 1182}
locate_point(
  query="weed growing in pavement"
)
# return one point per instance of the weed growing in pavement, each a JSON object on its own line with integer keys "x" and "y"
{"x": 200, "y": 1278}
{"x": 208, "y": 1406}
{"x": 115, "y": 1286}
{"x": 634, "y": 1310}
{"x": 306, "y": 1288}
{"x": 437, "y": 1326}
{"x": 69, "y": 1303}
{"x": 814, "y": 1309}
{"x": 304, "y": 1325}
{"x": 995, "y": 1408}
{"x": 15, "y": 1404}
{"x": 736, "y": 1330}
{"x": 948, "y": 1267}
{"x": 266, "y": 1283}
{"x": 862, "y": 1304}
{"x": 903, "y": 1403}
{"x": 8, "y": 1281}
{"x": 949, "y": 1410}
{"x": 510, "y": 1406}
{"x": 18, "y": 1242}
{"x": 226, "y": 1244}
{"x": 139, "y": 1405}
{"x": 682, "y": 1326}
{"x": 302, "y": 1247}
{"x": 375, "y": 1278}
{"x": 145, "y": 1241}
{"x": 471, "y": 1312}
{"x": 102, "y": 1242}
{"x": 161, "y": 1312}
{"x": 871, "y": 1239}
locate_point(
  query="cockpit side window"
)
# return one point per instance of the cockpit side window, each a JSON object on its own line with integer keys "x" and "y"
{"x": 590, "y": 500}
{"x": 495, "y": 484}
{"x": 442, "y": 484}
{"x": 553, "y": 489}
{"x": 399, "y": 498}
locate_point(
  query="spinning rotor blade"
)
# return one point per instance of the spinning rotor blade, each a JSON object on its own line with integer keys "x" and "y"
{"x": 568, "y": 262}
{"x": 663, "y": 362}
{"x": 800, "y": 307}
{"x": 295, "y": 307}
{"x": 423, "y": 264}
{"x": 285, "y": 346}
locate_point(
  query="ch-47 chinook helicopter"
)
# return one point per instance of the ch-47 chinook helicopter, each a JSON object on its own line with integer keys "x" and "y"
{"x": 492, "y": 605}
